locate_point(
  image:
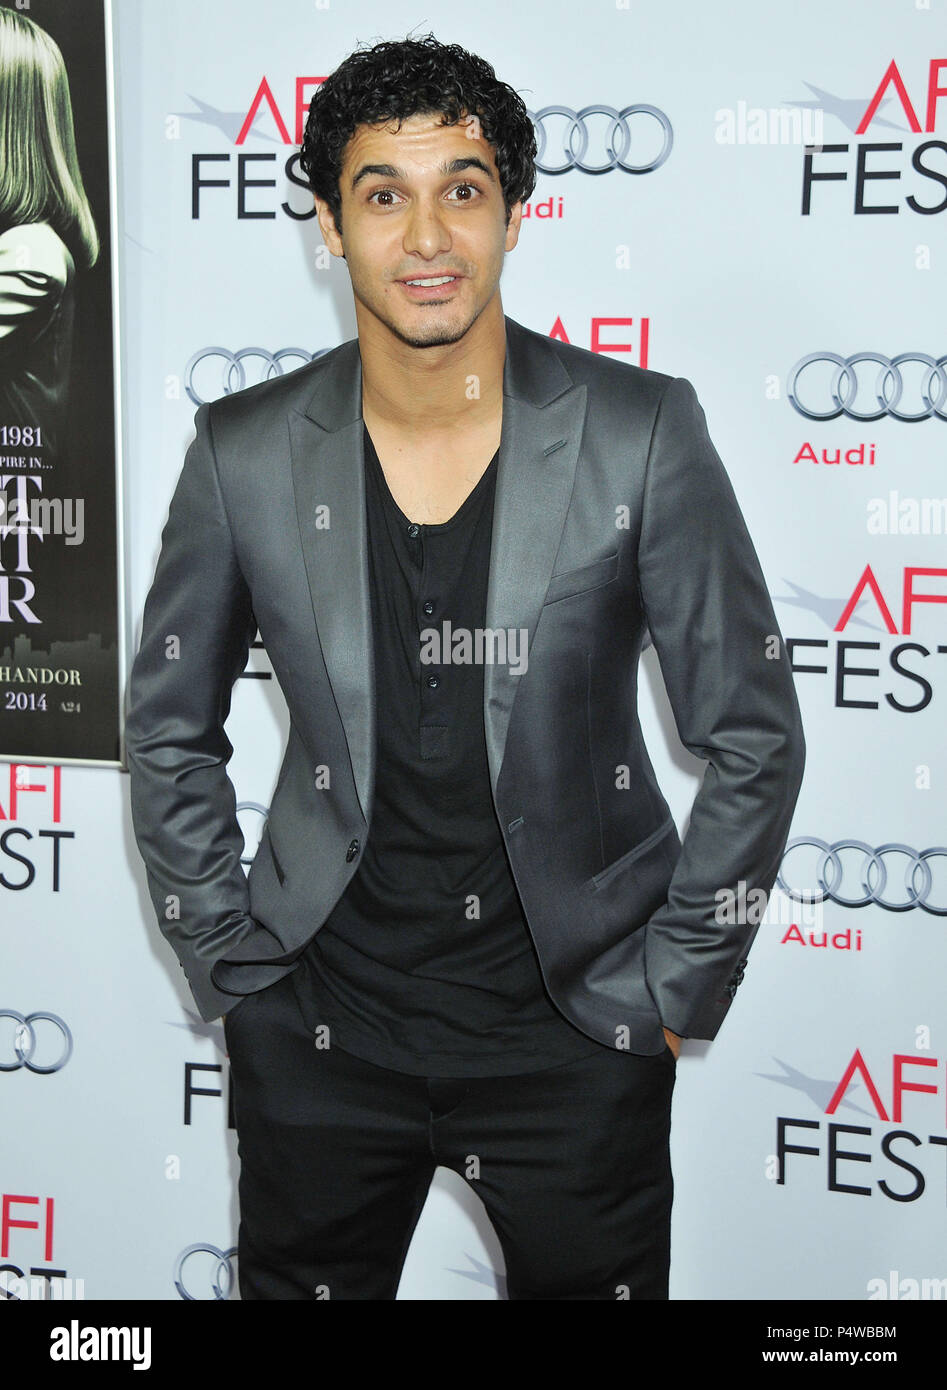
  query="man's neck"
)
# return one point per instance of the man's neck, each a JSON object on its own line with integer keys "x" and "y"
{"x": 432, "y": 391}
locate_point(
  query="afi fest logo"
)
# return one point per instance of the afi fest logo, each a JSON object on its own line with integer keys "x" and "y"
{"x": 29, "y": 855}
{"x": 895, "y": 671}
{"x": 898, "y": 1100}
{"x": 870, "y": 172}
{"x": 27, "y": 1268}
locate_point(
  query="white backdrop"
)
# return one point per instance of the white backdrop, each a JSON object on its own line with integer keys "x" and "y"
{"x": 737, "y": 285}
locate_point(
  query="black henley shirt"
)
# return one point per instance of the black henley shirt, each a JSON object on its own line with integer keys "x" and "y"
{"x": 426, "y": 964}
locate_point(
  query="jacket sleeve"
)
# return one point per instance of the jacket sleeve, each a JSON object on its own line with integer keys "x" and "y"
{"x": 728, "y": 678}
{"x": 197, "y": 628}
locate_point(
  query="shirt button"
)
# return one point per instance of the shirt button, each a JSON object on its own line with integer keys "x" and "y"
{"x": 428, "y": 608}
{"x": 413, "y": 529}
{"x": 433, "y": 682}
{"x": 351, "y": 852}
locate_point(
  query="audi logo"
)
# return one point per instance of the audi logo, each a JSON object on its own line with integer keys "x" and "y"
{"x": 217, "y": 1279}
{"x": 615, "y": 141}
{"x": 868, "y": 876}
{"x": 26, "y": 1040}
{"x": 888, "y": 386}
{"x": 233, "y": 373}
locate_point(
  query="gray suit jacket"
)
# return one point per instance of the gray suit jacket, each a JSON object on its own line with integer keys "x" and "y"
{"x": 613, "y": 516}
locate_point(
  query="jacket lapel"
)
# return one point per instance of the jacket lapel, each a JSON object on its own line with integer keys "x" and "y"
{"x": 329, "y": 482}
{"x": 543, "y": 419}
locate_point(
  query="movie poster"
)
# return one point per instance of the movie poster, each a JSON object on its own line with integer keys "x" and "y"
{"x": 61, "y": 622}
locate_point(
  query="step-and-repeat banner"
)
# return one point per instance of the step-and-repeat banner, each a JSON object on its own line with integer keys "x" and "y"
{"x": 751, "y": 198}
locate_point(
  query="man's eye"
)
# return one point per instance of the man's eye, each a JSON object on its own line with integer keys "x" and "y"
{"x": 381, "y": 192}
{"x": 469, "y": 187}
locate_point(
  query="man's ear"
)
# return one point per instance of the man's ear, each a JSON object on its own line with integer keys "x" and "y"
{"x": 513, "y": 226}
{"x": 327, "y": 226}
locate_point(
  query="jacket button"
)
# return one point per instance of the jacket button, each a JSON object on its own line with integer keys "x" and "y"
{"x": 351, "y": 852}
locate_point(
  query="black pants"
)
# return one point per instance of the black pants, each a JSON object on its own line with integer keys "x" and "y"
{"x": 336, "y": 1157}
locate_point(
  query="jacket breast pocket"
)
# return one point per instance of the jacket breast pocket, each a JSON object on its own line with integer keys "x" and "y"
{"x": 579, "y": 581}
{"x": 614, "y": 870}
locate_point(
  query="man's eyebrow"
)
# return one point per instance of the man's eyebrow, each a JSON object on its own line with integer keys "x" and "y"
{"x": 455, "y": 166}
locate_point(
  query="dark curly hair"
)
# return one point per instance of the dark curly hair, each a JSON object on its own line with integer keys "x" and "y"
{"x": 409, "y": 77}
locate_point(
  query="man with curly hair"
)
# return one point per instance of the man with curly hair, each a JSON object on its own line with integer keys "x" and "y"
{"x": 471, "y": 936}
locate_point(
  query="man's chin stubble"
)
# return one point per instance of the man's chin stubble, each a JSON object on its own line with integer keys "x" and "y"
{"x": 435, "y": 336}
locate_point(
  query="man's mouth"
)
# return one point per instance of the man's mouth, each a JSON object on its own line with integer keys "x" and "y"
{"x": 438, "y": 280}
{"x": 431, "y": 289}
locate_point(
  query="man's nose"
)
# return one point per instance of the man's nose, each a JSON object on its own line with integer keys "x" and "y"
{"x": 426, "y": 232}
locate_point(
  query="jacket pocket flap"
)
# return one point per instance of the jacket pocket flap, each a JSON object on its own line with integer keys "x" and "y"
{"x": 577, "y": 581}
{"x": 612, "y": 870}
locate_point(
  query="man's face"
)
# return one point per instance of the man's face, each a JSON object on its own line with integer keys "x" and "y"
{"x": 421, "y": 204}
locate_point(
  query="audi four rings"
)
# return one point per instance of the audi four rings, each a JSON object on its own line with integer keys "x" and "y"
{"x": 234, "y": 376}
{"x": 830, "y": 873}
{"x": 25, "y": 1042}
{"x": 844, "y": 386}
{"x": 221, "y": 1281}
{"x": 616, "y": 143}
